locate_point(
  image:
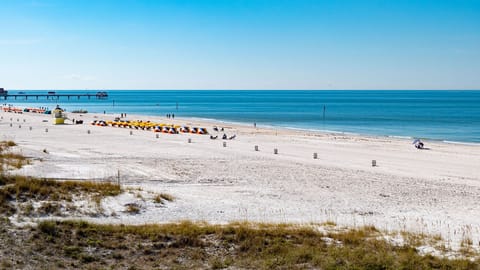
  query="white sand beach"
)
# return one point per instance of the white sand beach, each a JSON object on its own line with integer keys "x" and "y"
{"x": 434, "y": 191}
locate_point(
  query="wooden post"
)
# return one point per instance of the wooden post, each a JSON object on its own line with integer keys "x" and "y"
{"x": 46, "y": 130}
{"x": 224, "y": 144}
{"x": 374, "y": 163}
{"x": 118, "y": 177}
{"x": 189, "y": 140}
{"x": 256, "y": 147}
{"x": 275, "y": 151}
{"x": 88, "y": 131}
{"x": 315, "y": 155}
{"x": 156, "y": 135}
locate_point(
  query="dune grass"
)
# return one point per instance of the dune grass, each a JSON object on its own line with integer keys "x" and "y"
{"x": 26, "y": 189}
{"x": 8, "y": 159}
{"x": 190, "y": 245}
{"x": 162, "y": 197}
{"x": 21, "y": 189}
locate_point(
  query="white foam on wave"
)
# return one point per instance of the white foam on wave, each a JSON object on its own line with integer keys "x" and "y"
{"x": 400, "y": 137}
{"x": 462, "y": 143}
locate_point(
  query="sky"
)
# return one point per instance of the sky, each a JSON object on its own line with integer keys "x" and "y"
{"x": 240, "y": 44}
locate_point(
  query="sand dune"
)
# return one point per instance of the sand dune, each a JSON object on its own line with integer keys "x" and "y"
{"x": 433, "y": 191}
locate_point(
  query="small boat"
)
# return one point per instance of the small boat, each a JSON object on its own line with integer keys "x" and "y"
{"x": 51, "y": 92}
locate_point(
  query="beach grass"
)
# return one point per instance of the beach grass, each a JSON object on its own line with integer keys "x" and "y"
{"x": 162, "y": 197}
{"x": 189, "y": 245}
{"x": 9, "y": 160}
{"x": 21, "y": 189}
{"x": 19, "y": 192}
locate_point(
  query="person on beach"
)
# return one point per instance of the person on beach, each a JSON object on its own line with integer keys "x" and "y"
{"x": 418, "y": 144}
{"x": 173, "y": 116}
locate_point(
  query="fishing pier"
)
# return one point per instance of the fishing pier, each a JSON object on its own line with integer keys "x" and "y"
{"x": 51, "y": 95}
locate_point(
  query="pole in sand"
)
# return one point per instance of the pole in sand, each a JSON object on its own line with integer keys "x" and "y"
{"x": 118, "y": 177}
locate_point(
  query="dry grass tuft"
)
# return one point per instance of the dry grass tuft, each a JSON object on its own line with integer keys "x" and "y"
{"x": 162, "y": 197}
{"x": 25, "y": 189}
{"x": 9, "y": 160}
{"x": 132, "y": 208}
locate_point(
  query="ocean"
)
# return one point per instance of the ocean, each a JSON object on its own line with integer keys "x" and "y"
{"x": 450, "y": 116}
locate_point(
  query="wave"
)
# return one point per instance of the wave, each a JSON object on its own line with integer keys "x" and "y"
{"x": 462, "y": 143}
{"x": 400, "y": 137}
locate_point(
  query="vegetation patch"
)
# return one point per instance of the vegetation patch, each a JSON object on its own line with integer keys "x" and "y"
{"x": 190, "y": 245}
{"x": 9, "y": 160}
{"x": 162, "y": 197}
{"x": 25, "y": 190}
{"x": 132, "y": 208}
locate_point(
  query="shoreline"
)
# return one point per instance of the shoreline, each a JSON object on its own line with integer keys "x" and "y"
{"x": 432, "y": 191}
{"x": 377, "y": 127}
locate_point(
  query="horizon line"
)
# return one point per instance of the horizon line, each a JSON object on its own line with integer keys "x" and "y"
{"x": 238, "y": 89}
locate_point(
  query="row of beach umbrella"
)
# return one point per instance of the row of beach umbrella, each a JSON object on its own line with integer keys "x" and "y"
{"x": 155, "y": 127}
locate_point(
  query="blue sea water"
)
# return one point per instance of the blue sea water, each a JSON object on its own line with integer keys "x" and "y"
{"x": 438, "y": 115}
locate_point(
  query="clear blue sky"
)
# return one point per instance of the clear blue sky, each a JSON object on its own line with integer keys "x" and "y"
{"x": 240, "y": 44}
